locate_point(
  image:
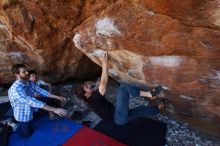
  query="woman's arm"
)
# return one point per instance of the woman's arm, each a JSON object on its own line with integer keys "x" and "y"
{"x": 104, "y": 75}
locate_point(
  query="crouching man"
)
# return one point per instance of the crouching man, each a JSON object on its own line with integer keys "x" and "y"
{"x": 23, "y": 102}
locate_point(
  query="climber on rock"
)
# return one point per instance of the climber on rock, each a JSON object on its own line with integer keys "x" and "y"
{"x": 121, "y": 114}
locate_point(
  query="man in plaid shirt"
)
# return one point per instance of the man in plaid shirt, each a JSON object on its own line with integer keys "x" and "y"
{"x": 23, "y": 102}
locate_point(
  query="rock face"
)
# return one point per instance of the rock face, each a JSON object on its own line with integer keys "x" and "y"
{"x": 168, "y": 42}
{"x": 176, "y": 44}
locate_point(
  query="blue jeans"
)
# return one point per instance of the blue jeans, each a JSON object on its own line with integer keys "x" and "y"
{"x": 122, "y": 112}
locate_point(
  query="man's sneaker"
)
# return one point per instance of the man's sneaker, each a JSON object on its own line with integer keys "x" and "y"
{"x": 5, "y": 122}
{"x": 9, "y": 122}
{"x": 156, "y": 90}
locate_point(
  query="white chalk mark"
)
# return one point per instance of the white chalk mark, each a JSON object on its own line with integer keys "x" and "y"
{"x": 106, "y": 27}
{"x": 113, "y": 72}
{"x": 186, "y": 97}
{"x": 168, "y": 61}
{"x": 76, "y": 40}
{"x": 15, "y": 55}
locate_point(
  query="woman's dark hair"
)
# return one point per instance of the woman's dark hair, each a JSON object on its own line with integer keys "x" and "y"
{"x": 32, "y": 72}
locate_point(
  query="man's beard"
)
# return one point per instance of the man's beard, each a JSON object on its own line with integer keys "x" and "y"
{"x": 25, "y": 78}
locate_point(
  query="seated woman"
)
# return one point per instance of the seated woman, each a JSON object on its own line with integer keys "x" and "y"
{"x": 40, "y": 83}
{"x": 121, "y": 113}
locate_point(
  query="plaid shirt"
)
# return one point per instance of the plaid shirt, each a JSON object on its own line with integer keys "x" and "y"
{"x": 23, "y": 102}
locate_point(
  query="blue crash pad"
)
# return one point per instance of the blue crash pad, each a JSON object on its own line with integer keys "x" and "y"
{"x": 47, "y": 133}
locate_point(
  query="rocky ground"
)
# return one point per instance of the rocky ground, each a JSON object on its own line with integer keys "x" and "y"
{"x": 178, "y": 134}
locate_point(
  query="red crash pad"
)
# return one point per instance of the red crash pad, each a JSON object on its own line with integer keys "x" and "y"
{"x": 89, "y": 137}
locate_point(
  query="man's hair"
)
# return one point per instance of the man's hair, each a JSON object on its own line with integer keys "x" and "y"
{"x": 15, "y": 68}
{"x": 32, "y": 72}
